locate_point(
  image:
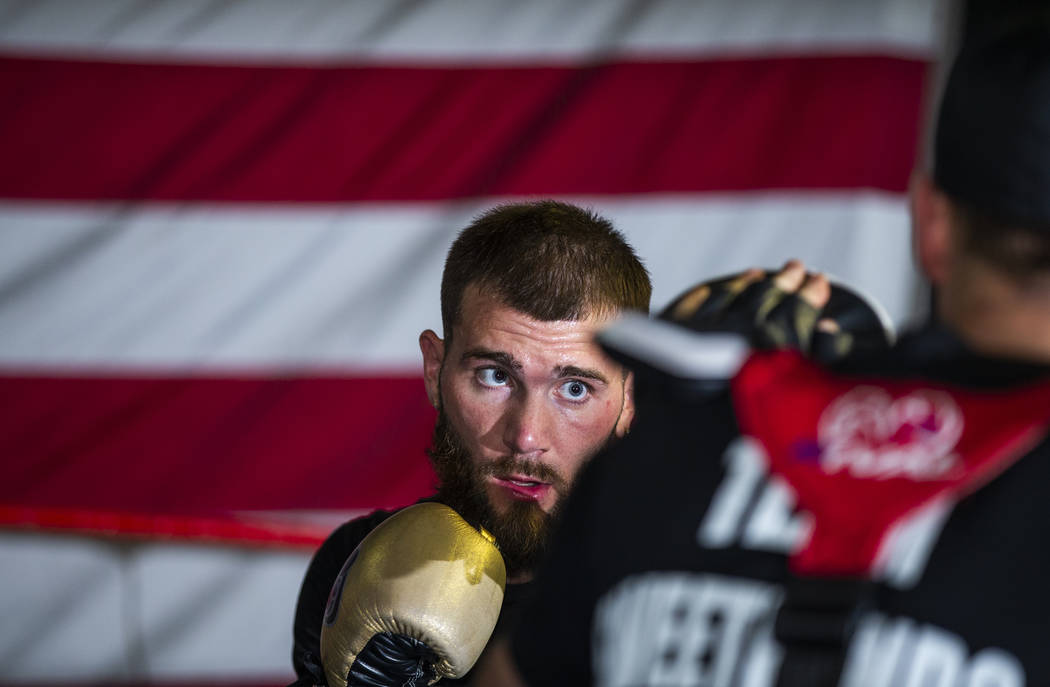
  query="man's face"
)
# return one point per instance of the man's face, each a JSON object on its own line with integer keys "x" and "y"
{"x": 523, "y": 405}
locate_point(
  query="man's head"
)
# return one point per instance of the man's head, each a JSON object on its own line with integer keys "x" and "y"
{"x": 524, "y": 395}
{"x": 982, "y": 220}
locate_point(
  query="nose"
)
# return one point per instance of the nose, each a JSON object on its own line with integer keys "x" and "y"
{"x": 525, "y": 428}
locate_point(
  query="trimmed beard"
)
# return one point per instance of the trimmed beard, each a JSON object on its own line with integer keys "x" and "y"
{"x": 523, "y": 531}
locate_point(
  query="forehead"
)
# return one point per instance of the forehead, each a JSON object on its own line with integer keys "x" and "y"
{"x": 486, "y": 322}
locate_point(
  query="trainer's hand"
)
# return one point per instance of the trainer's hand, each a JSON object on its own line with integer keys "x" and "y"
{"x": 417, "y": 601}
{"x": 786, "y": 309}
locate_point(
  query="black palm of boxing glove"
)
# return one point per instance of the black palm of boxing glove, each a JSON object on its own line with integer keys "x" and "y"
{"x": 393, "y": 659}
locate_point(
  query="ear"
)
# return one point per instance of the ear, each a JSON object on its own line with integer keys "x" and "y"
{"x": 623, "y": 423}
{"x": 931, "y": 227}
{"x": 433, "y": 349}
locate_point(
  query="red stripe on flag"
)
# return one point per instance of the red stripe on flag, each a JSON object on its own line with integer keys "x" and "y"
{"x": 198, "y": 447}
{"x": 248, "y": 530}
{"x": 86, "y": 130}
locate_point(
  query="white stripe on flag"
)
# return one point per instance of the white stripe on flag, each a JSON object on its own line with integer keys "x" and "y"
{"x": 466, "y": 30}
{"x": 350, "y": 288}
{"x": 112, "y": 610}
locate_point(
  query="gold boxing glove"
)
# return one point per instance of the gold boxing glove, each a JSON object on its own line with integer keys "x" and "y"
{"x": 417, "y": 601}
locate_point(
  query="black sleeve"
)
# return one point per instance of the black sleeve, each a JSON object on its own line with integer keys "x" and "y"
{"x": 313, "y": 595}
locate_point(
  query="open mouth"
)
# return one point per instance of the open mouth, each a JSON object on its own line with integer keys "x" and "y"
{"x": 522, "y": 487}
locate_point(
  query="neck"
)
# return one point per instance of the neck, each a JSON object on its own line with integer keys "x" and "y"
{"x": 996, "y": 315}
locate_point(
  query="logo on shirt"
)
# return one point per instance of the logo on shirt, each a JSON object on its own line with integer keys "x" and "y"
{"x": 871, "y": 435}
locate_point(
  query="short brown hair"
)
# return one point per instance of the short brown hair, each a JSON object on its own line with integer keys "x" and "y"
{"x": 547, "y": 259}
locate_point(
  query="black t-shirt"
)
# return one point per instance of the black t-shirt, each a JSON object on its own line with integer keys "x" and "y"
{"x": 321, "y": 574}
{"x": 672, "y": 561}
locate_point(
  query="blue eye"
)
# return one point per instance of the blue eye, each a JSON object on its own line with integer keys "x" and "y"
{"x": 575, "y": 390}
{"x": 493, "y": 376}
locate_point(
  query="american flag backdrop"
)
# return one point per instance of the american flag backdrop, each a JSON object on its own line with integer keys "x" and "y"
{"x": 222, "y": 227}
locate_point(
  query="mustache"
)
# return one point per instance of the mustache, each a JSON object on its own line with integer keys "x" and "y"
{"x": 447, "y": 451}
{"x": 510, "y": 465}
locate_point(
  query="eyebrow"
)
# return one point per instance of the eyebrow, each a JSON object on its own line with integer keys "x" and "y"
{"x": 586, "y": 373}
{"x": 508, "y": 361}
{"x": 504, "y": 359}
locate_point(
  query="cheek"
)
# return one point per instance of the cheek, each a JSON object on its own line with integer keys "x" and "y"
{"x": 472, "y": 414}
{"x": 584, "y": 433}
